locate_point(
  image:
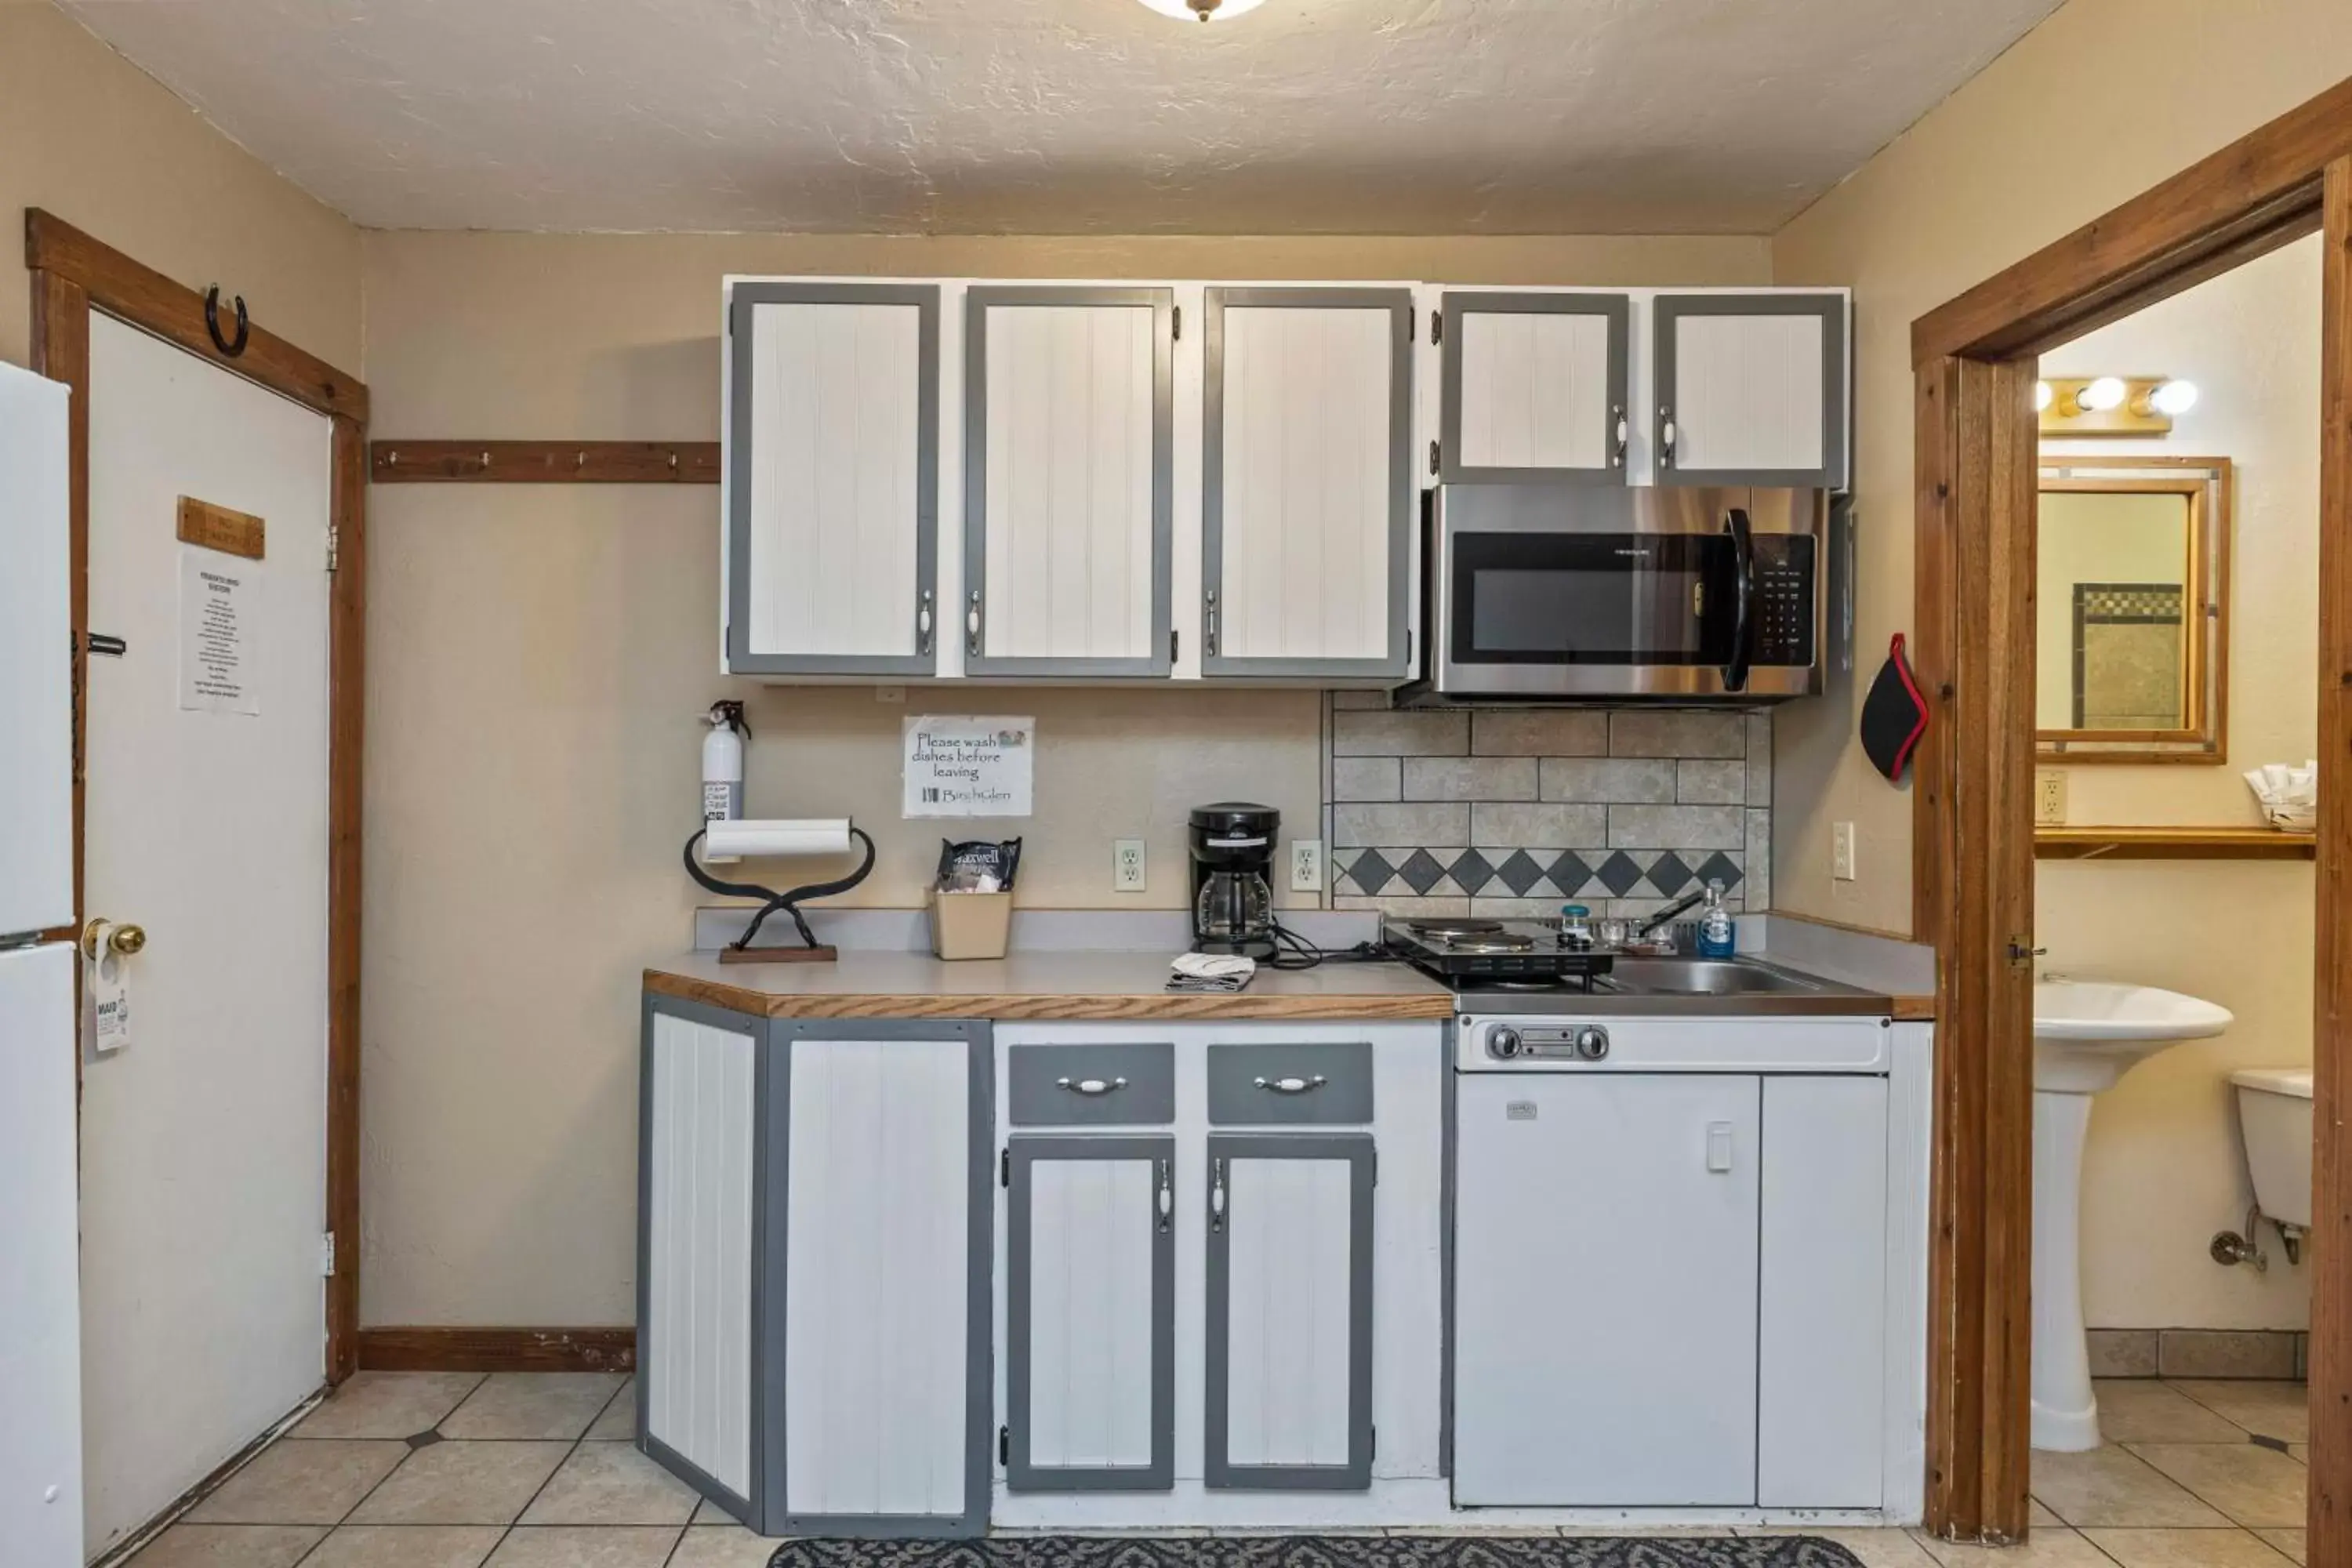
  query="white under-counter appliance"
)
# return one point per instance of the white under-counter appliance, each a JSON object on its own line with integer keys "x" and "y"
{"x": 1675, "y": 1259}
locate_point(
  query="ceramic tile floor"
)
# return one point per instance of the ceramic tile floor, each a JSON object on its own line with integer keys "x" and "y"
{"x": 458, "y": 1471}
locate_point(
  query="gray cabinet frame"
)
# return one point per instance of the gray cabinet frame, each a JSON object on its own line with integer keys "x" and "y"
{"x": 1613, "y": 308}
{"x": 1397, "y": 302}
{"x": 1022, "y": 1154}
{"x": 772, "y": 1039}
{"x": 978, "y": 301}
{"x": 742, "y": 433}
{"x": 1356, "y": 1475}
{"x": 1668, "y": 312}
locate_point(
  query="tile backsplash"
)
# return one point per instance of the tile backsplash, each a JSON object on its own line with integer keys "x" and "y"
{"x": 1515, "y": 811}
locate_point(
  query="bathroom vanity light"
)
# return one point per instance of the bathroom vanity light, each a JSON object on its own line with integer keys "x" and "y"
{"x": 2172, "y": 397}
{"x": 1203, "y": 10}
{"x": 2107, "y": 392}
{"x": 2107, "y": 406}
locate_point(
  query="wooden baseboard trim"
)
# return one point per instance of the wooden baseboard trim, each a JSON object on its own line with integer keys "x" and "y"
{"x": 498, "y": 1350}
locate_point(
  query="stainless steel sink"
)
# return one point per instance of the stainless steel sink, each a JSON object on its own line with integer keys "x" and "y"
{"x": 1701, "y": 977}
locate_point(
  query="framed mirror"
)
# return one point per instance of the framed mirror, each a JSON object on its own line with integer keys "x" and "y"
{"x": 2132, "y": 577}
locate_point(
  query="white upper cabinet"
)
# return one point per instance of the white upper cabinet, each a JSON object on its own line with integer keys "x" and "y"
{"x": 1068, "y": 457}
{"x": 1535, "y": 388}
{"x": 1750, "y": 389}
{"x": 1307, "y": 495}
{"x": 832, "y": 477}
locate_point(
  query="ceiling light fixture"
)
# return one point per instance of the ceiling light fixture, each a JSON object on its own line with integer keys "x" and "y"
{"x": 2107, "y": 392}
{"x": 1203, "y": 10}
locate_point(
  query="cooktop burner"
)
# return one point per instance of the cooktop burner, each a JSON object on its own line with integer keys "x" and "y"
{"x": 1452, "y": 929}
{"x": 1496, "y": 940}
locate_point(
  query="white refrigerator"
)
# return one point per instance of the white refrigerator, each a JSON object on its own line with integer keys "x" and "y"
{"x": 40, "y": 1326}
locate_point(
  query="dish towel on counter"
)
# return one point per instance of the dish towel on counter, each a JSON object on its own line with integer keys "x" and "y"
{"x": 1218, "y": 971}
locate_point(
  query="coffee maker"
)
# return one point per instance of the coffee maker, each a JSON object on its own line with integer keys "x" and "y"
{"x": 1233, "y": 878}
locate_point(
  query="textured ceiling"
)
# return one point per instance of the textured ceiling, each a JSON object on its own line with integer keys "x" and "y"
{"x": 1064, "y": 116}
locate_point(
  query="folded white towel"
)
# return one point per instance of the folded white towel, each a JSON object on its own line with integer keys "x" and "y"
{"x": 2289, "y": 795}
{"x": 1210, "y": 972}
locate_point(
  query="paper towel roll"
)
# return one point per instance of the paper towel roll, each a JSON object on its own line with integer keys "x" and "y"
{"x": 732, "y": 840}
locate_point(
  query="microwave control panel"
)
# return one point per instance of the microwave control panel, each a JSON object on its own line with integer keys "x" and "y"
{"x": 1784, "y": 609}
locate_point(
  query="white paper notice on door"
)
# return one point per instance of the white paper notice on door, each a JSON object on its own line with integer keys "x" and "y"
{"x": 961, "y": 766}
{"x": 219, "y": 611}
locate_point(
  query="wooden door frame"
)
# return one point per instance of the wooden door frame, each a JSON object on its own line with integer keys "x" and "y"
{"x": 73, "y": 276}
{"x": 1974, "y": 360}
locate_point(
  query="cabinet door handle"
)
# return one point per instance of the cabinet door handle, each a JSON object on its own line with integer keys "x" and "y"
{"x": 1092, "y": 1085}
{"x": 1209, "y": 632}
{"x": 1292, "y": 1085}
{"x": 1665, "y": 437}
{"x": 1216, "y": 1195}
{"x": 971, "y": 627}
{"x": 1718, "y": 1146}
{"x": 1167, "y": 1197}
{"x": 1433, "y": 457}
{"x": 1617, "y": 457}
{"x": 923, "y": 622}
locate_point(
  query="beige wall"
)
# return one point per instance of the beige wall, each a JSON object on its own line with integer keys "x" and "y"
{"x": 87, "y": 135}
{"x": 536, "y": 661}
{"x": 2102, "y": 100}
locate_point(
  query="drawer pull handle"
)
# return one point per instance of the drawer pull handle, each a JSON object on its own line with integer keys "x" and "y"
{"x": 1292, "y": 1085}
{"x": 1719, "y": 1147}
{"x": 1167, "y": 1196}
{"x": 1092, "y": 1085}
{"x": 1216, "y": 1195}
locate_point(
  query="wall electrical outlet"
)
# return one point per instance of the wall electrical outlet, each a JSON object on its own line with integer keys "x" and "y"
{"x": 1307, "y": 864}
{"x": 2049, "y": 797}
{"x": 1842, "y": 852}
{"x": 1126, "y": 865}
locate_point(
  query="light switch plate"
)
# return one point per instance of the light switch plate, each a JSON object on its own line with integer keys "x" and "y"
{"x": 1126, "y": 865}
{"x": 1842, "y": 852}
{"x": 1307, "y": 864}
{"x": 2049, "y": 797}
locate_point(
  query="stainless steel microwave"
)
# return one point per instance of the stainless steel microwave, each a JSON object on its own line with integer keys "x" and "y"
{"x": 1538, "y": 590}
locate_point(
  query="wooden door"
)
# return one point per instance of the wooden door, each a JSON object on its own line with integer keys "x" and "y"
{"x": 1090, "y": 1301}
{"x": 1750, "y": 389}
{"x": 1068, "y": 470}
{"x": 1307, "y": 489}
{"x": 832, "y": 470}
{"x": 1290, "y": 1312}
{"x": 1535, "y": 388}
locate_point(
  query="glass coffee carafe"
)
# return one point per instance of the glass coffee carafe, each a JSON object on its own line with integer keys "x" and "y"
{"x": 1234, "y": 907}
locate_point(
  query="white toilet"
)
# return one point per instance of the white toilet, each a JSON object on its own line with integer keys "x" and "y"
{"x": 2274, "y": 1112}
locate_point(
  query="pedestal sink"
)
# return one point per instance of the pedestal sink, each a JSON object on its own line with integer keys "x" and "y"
{"x": 2086, "y": 1035}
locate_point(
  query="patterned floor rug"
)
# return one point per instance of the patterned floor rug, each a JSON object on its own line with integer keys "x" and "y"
{"x": 1322, "y": 1552}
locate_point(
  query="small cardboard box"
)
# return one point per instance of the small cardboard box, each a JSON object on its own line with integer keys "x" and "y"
{"x": 970, "y": 925}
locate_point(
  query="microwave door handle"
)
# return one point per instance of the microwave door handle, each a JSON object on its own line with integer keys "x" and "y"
{"x": 1743, "y": 596}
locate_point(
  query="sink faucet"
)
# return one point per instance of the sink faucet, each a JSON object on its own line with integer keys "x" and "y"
{"x": 1683, "y": 905}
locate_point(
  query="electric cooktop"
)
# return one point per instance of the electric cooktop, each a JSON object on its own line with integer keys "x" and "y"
{"x": 1474, "y": 955}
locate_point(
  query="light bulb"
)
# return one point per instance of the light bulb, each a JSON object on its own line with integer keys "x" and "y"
{"x": 2173, "y": 398}
{"x": 2107, "y": 392}
{"x": 2041, "y": 396}
{"x": 1219, "y": 11}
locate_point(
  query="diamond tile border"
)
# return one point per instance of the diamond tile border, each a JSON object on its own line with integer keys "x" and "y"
{"x": 1585, "y": 874}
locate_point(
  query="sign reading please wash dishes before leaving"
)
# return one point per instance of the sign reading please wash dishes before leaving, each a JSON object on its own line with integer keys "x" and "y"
{"x": 966, "y": 766}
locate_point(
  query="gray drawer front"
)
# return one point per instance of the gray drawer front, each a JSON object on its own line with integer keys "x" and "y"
{"x": 1334, "y": 1079}
{"x": 1050, "y": 1085}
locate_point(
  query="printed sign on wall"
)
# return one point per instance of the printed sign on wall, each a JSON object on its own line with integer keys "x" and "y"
{"x": 962, "y": 766}
{"x": 219, "y": 605}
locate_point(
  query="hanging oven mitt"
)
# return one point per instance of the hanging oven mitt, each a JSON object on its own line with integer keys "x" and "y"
{"x": 1893, "y": 716}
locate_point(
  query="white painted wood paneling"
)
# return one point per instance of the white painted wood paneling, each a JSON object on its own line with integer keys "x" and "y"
{"x": 697, "y": 1354}
{"x": 836, "y": 399}
{"x": 41, "y": 1321}
{"x": 1308, "y": 459}
{"x": 1605, "y": 1290}
{"x": 35, "y": 651}
{"x": 1748, "y": 392}
{"x": 1288, "y": 1334}
{"x": 1090, "y": 1278}
{"x": 1535, "y": 390}
{"x": 876, "y": 1277}
{"x": 1821, "y": 1348}
{"x": 1068, "y": 525}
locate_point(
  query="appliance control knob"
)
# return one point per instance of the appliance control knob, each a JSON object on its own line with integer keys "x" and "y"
{"x": 1592, "y": 1043}
{"x": 1503, "y": 1043}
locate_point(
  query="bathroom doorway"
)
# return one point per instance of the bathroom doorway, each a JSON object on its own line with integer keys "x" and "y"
{"x": 1978, "y": 498}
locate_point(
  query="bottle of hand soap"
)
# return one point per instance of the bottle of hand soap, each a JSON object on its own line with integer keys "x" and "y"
{"x": 1717, "y": 936}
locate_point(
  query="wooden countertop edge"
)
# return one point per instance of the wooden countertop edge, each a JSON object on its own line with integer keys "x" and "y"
{"x": 1077, "y": 1008}
{"x": 1914, "y": 1010}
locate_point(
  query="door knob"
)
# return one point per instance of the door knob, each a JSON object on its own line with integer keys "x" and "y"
{"x": 124, "y": 940}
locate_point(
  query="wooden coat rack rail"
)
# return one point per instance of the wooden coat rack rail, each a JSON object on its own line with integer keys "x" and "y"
{"x": 543, "y": 462}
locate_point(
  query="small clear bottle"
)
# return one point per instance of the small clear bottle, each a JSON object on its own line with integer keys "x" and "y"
{"x": 1575, "y": 926}
{"x": 1717, "y": 937}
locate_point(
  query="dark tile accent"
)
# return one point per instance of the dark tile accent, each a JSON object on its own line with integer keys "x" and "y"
{"x": 1717, "y": 867}
{"x": 1669, "y": 874}
{"x": 1470, "y": 870}
{"x": 1420, "y": 872}
{"x": 1519, "y": 873}
{"x": 1370, "y": 871}
{"x": 1619, "y": 873}
{"x": 1569, "y": 873}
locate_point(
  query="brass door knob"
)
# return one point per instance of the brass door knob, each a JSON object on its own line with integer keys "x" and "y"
{"x": 124, "y": 940}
